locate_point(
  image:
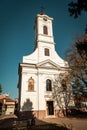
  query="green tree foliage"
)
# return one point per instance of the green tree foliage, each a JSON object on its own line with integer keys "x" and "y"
{"x": 75, "y": 8}
{"x": 77, "y": 59}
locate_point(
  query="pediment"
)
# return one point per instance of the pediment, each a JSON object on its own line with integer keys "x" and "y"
{"x": 48, "y": 64}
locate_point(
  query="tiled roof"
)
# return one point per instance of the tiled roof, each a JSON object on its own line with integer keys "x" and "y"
{"x": 7, "y": 98}
{"x": 4, "y": 96}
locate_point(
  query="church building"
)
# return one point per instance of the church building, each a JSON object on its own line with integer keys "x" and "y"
{"x": 37, "y": 71}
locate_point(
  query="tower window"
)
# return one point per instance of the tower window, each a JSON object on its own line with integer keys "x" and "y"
{"x": 45, "y": 31}
{"x": 46, "y": 51}
{"x": 45, "y": 19}
{"x": 31, "y": 84}
{"x": 48, "y": 85}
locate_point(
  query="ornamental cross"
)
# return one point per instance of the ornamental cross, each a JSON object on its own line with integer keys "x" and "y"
{"x": 42, "y": 10}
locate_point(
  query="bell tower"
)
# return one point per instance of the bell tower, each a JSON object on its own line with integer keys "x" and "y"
{"x": 44, "y": 42}
{"x": 43, "y": 30}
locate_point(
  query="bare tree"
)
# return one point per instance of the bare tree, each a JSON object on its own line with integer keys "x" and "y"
{"x": 77, "y": 59}
{"x": 62, "y": 92}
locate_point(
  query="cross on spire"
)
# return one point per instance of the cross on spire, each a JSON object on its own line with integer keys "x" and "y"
{"x": 42, "y": 10}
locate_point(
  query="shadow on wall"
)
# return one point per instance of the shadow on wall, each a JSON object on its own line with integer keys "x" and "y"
{"x": 27, "y": 112}
{"x": 27, "y": 106}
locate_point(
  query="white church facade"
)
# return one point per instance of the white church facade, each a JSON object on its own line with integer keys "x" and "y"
{"x": 37, "y": 72}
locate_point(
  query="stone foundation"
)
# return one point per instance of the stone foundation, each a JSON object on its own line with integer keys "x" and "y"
{"x": 41, "y": 114}
{"x": 29, "y": 114}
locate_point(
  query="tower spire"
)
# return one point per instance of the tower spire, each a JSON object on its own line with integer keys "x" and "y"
{"x": 42, "y": 10}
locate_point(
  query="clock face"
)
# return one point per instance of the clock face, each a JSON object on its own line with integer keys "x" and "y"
{"x": 45, "y": 19}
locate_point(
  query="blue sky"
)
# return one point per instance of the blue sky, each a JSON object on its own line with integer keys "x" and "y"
{"x": 17, "y": 34}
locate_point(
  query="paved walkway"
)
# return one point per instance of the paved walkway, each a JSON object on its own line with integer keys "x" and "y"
{"x": 74, "y": 123}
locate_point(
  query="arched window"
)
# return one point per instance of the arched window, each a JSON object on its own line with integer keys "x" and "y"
{"x": 48, "y": 85}
{"x": 31, "y": 84}
{"x": 46, "y": 52}
{"x": 45, "y": 31}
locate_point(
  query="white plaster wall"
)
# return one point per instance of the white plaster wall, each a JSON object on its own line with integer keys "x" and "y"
{"x": 25, "y": 94}
{"x": 43, "y": 76}
{"x": 38, "y": 55}
{"x": 10, "y": 109}
{"x": 38, "y": 96}
{"x": 42, "y": 23}
{"x": 47, "y": 38}
{"x": 32, "y": 58}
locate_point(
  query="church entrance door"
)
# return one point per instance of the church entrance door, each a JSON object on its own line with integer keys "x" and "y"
{"x": 50, "y": 108}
